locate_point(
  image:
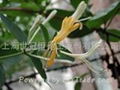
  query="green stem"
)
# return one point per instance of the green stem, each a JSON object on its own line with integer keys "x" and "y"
{"x": 11, "y": 55}
{"x": 36, "y": 56}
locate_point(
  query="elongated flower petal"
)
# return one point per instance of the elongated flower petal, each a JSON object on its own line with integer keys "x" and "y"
{"x": 85, "y": 55}
{"x": 93, "y": 48}
{"x": 52, "y": 56}
{"x": 68, "y": 25}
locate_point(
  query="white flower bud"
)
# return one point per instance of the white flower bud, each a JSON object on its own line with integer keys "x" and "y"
{"x": 80, "y": 10}
{"x": 51, "y": 15}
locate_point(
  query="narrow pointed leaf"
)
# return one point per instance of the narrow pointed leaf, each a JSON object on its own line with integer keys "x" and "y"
{"x": 14, "y": 29}
{"x": 103, "y": 16}
{"x": 38, "y": 64}
{"x": 45, "y": 33}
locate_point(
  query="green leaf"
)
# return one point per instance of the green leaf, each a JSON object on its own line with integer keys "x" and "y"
{"x": 22, "y": 38}
{"x": 15, "y": 64}
{"x": 15, "y": 13}
{"x": 30, "y": 5}
{"x": 77, "y": 86}
{"x": 45, "y": 33}
{"x": 38, "y": 64}
{"x": 80, "y": 33}
{"x": 2, "y": 76}
{"x": 4, "y": 3}
{"x": 6, "y": 36}
{"x": 40, "y": 1}
{"x": 113, "y": 35}
{"x": 14, "y": 29}
{"x": 8, "y": 53}
{"x": 57, "y": 20}
{"x": 76, "y": 2}
{"x": 63, "y": 56}
{"x": 103, "y": 16}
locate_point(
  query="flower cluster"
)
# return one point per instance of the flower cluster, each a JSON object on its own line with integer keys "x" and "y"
{"x": 69, "y": 24}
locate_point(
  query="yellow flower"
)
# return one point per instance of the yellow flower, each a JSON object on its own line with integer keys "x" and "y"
{"x": 69, "y": 24}
{"x": 52, "y": 51}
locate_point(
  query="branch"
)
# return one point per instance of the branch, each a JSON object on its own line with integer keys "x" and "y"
{"x": 59, "y": 68}
{"x": 19, "y": 9}
{"x": 109, "y": 33}
{"x": 29, "y": 11}
{"x": 8, "y": 86}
